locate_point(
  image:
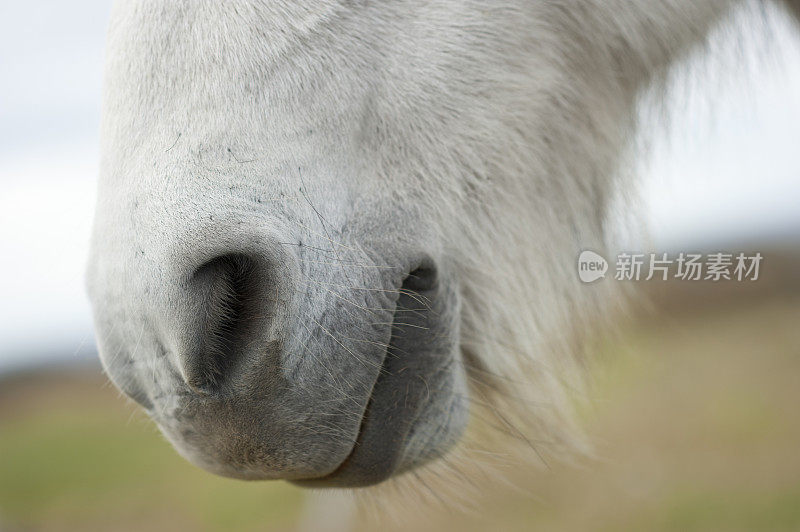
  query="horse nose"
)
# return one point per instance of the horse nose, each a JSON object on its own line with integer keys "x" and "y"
{"x": 226, "y": 309}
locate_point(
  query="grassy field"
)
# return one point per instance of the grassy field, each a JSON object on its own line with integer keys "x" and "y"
{"x": 695, "y": 420}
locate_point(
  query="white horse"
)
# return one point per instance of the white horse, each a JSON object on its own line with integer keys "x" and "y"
{"x": 329, "y": 231}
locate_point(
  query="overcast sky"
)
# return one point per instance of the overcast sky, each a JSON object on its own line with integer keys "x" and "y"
{"x": 736, "y": 178}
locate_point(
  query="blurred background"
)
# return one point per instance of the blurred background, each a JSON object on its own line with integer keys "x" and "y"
{"x": 694, "y": 409}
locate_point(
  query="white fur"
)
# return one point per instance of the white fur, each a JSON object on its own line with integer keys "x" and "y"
{"x": 507, "y": 123}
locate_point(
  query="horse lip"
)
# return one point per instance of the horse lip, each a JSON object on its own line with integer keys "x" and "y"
{"x": 366, "y": 466}
{"x": 332, "y": 479}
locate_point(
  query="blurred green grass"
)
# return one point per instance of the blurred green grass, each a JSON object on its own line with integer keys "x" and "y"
{"x": 694, "y": 415}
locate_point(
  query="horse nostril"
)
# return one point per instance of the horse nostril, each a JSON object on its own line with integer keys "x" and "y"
{"x": 421, "y": 280}
{"x": 229, "y": 288}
